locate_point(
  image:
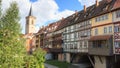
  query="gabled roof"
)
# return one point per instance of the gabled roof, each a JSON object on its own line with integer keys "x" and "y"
{"x": 116, "y": 4}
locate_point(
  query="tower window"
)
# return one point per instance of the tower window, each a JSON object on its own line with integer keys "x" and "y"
{"x": 32, "y": 22}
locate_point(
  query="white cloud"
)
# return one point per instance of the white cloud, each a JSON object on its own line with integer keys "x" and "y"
{"x": 87, "y": 2}
{"x": 43, "y": 10}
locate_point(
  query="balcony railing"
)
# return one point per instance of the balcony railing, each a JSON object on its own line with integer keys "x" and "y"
{"x": 56, "y": 50}
{"x": 101, "y": 51}
{"x": 81, "y": 50}
{"x": 101, "y": 45}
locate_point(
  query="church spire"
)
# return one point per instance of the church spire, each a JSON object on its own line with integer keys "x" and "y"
{"x": 30, "y": 12}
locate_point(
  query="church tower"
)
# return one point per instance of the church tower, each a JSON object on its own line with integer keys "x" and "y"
{"x": 30, "y": 23}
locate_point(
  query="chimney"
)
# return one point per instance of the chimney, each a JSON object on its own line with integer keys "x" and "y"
{"x": 62, "y": 18}
{"x": 76, "y": 12}
{"x": 84, "y": 8}
{"x": 97, "y": 3}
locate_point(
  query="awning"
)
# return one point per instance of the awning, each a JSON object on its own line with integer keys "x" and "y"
{"x": 102, "y": 37}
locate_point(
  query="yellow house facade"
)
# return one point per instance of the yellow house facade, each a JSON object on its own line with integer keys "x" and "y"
{"x": 102, "y": 25}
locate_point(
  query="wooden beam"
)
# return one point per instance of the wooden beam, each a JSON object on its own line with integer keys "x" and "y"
{"x": 91, "y": 61}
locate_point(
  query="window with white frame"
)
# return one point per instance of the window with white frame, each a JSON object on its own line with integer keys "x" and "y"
{"x": 80, "y": 44}
{"x": 101, "y": 18}
{"x": 82, "y": 24}
{"x": 72, "y": 27}
{"x": 69, "y": 28}
{"x": 117, "y": 29}
{"x": 118, "y": 14}
{"x": 90, "y": 22}
{"x": 110, "y": 29}
{"x": 75, "y": 45}
{"x": 96, "y": 31}
{"x": 79, "y": 25}
{"x": 67, "y": 36}
{"x": 105, "y": 30}
{"x": 85, "y": 44}
{"x": 75, "y": 35}
{"x": 65, "y": 46}
{"x": 88, "y": 32}
{"x": 71, "y": 46}
{"x": 72, "y": 35}
{"x": 117, "y": 44}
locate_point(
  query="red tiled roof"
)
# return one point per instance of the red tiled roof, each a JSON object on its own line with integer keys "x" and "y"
{"x": 117, "y": 4}
{"x": 65, "y": 22}
{"x": 50, "y": 28}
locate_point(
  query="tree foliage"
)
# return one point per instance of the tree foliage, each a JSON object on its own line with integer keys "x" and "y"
{"x": 12, "y": 50}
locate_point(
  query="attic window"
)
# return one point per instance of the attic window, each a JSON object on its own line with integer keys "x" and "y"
{"x": 73, "y": 16}
{"x": 106, "y": 8}
{"x": 76, "y": 19}
{"x": 92, "y": 11}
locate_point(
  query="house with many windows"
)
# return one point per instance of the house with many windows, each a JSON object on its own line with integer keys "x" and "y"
{"x": 76, "y": 35}
{"x": 93, "y": 32}
{"x": 102, "y": 41}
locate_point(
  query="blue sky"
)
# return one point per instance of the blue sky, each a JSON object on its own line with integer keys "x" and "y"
{"x": 67, "y": 4}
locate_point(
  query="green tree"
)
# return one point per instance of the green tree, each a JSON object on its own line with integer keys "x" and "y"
{"x": 12, "y": 50}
